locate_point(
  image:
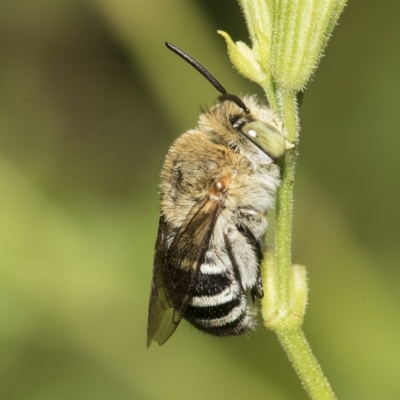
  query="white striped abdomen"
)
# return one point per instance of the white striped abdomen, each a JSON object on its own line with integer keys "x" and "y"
{"x": 219, "y": 305}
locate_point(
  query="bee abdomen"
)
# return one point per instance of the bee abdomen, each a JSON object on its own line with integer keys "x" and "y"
{"x": 219, "y": 306}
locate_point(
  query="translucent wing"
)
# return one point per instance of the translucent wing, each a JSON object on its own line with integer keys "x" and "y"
{"x": 161, "y": 314}
{"x": 176, "y": 267}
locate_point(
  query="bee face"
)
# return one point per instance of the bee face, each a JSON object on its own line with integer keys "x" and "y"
{"x": 229, "y": 123}
{"x": 217, "y": 183}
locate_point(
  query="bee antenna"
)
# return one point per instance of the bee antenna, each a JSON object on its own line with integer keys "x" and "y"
{"x": 235, "y": 99}
{"x": 194, "y": 63}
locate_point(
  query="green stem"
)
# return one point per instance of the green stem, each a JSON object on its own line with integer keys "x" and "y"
{"x": 284, "y": 201}
{"x": 285, "y": 310}
{"x": 309, "y": 371}
{"x": 271, "y": 95}
{"x": 287, "y": 42}
{"x": 283, "y": 235}
{"x": 289, "y": 114}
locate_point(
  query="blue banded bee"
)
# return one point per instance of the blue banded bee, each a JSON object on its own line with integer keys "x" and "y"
{"x": 217, "y": 183}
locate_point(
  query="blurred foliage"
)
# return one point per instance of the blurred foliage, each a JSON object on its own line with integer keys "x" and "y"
{"x": 90, "y": 100}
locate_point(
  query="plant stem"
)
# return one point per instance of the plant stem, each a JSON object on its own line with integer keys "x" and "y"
{"x": 284, "y": 209}
{"x": 283, "y": 235}
{"x": 289, "y": 114}
{"x": 309, "y": 371}
{"x": 271, "y": 96}
{"x": 288, "y": 38}
{"x": 283, "y": 315}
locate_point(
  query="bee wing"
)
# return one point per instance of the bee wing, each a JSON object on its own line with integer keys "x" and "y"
{"x": 176, "y": 268}
{"x": 161, "y": 315}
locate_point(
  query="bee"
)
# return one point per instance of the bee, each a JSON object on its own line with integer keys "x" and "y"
{"x": 218, "y": 182}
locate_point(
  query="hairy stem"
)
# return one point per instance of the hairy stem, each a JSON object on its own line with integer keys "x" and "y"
{"x": 283, "y": 235}
{"x": 288, "y": 38}
{"x": 284, "y": 309}
{"x": 309, "y": 371}
{"x": 284, "y": 202}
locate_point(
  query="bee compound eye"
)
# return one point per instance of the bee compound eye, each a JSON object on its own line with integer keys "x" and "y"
{"x": 267, "y": 137}
{"x": 252, "y": 133}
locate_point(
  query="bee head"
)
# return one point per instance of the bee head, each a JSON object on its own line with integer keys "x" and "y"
{"x": 258, "y": 124}
{"x": 244, "y": 118}
{"x": 245, "y": 125}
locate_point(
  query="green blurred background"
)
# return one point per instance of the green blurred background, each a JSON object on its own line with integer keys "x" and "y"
{"x": 90, "y": 100}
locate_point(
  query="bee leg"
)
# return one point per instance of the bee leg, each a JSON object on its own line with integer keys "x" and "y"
{"x": 257, "y": 291}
